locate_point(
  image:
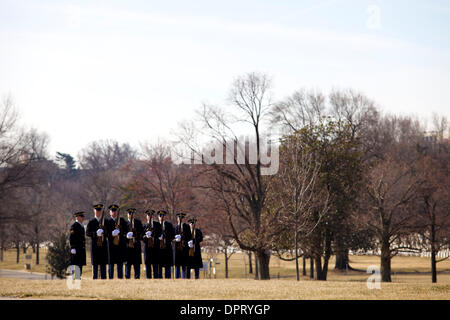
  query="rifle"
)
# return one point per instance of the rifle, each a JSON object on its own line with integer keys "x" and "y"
{"x": 162, "y": 243}
{"x": 130, "y": 229}
{"x": 116, "y": 238}
{"x": 102, "y": 222}
{"x": 180, "y": 232}
{"x": 150, "y": 228}
{"x": 192, "y": 250}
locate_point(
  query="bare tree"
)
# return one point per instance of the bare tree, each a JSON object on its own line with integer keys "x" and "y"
{"x": 300, "y": 109}
{"x": 352, "y": 113}
{"x": 297, "y": 191}
{"x": 156, "y": 181}
{"x": 223, "y": 244}
{"x": 242, "y": 185}
{"x": 393, "y": 185}
{"x": 440, "y": 126}
{"x": 433, "y": 203}
{"x": 106, "y": 154}
{"x": 103, "y": 165}
{"x": 20, "y": 152}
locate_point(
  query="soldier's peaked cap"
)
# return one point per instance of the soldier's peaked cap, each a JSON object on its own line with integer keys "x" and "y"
{"x": 192, "y": 220}
{"x": 162, "y": 213}
{"x": 79, "y": 214}
{"x": 150, "y": 212}
{"x": 131, "y": 210}
{"x": 98, "y": 206}
{"x": 181, "y": 214}
{"x": 113, "y": 207}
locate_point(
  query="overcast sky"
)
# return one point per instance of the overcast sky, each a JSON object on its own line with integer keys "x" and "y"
{"x": 131, "y": 70}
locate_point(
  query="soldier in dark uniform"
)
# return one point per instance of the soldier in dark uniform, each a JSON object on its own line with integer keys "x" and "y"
{"x": 77, "y": 242}
{"x": 152, "y": 230}
{"x": 99, "y": 244}
{"x": 116, "y": 231}
{"x": 182, "y": 236}
{"x": 135, "y": 232}
{"x": 166, "y": 235}
{"x": 195, "y": 261}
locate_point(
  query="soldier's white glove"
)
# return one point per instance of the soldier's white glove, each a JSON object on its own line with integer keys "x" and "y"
{"x": 191, "y": 244}
{"x": 115, "y": 232}
{"x": 148, "y": 234}
{"x": 161, "y": 237}
{"x": 178, "y": 238}
{"x": 99, "y": 232}
{"x": 129, "y": 235}
{"x": 73, "y": 251}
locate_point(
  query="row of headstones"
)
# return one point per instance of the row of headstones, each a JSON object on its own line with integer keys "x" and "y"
{"x": 441, "y": 254}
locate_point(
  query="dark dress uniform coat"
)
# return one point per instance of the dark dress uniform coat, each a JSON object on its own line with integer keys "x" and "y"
{"x": 99, "y": 254}
{"x": 134, "y": 251}
{"x": 196, "y": 260}
{"x": 116, "y": 253}
{"x": 181, "y": 248}
{"x": 151, "y": 253}
{"x": 77, "y": 241}
{"x": 165, "y": 257}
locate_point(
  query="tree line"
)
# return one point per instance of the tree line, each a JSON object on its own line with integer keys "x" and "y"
{"x": 350, "y": 177}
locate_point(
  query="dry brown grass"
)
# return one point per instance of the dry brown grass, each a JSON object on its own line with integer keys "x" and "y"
{"x": 340, "y": 285}
{"x": 238, "y": 266}
{"x": 220, "y": 289}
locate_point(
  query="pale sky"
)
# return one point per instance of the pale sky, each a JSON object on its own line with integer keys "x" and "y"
{"x": 131, "y": 70}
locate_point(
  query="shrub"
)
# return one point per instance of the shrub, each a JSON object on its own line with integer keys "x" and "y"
{"x": 58, "y": 255}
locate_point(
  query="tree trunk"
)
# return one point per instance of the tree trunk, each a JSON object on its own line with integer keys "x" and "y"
{"x": 256, "y": 267}
{"x": 297, "y": 268}
{"x": 311, "y": 267}
{"x": 327, "y": 255}
{"x": 341, "y": 259}
{"x": 433, "y": 250}
{"x": 37, "y": 252}
{"x": 433, "y": 266}
{"x": 250, "y": 266}
{"x": 322, "y": 270}
{"x": 304, "y": 265}
{"x": 325, "y": 269}
{"x": 18, "y": 252}
{"x": 385, "y": 261}
{"x": 226, "y": 263}
{"x": 318, "y": 265}
{"x": 386, "y": 269}
{"x": 2, "y": 249}
{"x": 263, "y": 257}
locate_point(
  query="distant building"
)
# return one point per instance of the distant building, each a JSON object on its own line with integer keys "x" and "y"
{"x": 437, "y": 137}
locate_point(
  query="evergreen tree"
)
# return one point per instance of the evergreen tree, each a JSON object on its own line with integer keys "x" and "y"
{"x": 68, "y": 162}
{"x": 59, "y": 255}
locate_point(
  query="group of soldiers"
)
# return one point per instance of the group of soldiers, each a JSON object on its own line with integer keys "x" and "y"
{"x": 117, "y": 242}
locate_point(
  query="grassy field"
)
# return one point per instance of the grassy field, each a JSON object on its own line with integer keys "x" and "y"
{"x": 220, "y": 289}
{"x": 411, "y": 280}
{"x": 238, "y": 266}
